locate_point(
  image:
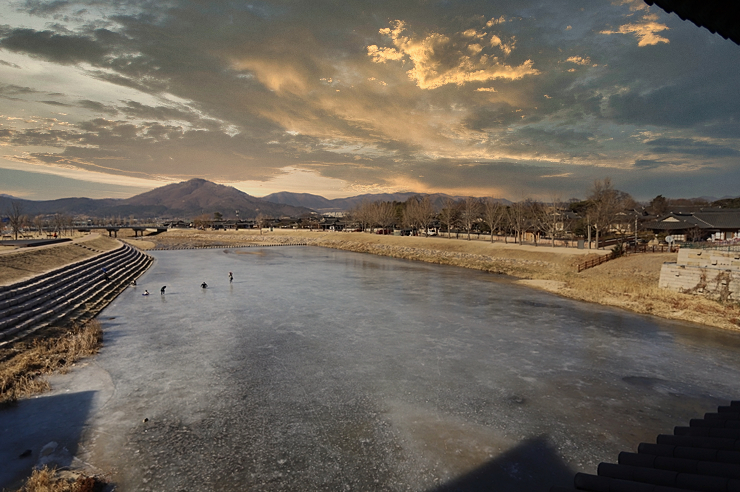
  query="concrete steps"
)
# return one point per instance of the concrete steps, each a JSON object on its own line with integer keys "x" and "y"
{"x": 71, "y": 294}
{"x": 703, "y": 457}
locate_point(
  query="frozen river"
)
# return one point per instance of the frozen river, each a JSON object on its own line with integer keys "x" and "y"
{"x": 319, "y": 369}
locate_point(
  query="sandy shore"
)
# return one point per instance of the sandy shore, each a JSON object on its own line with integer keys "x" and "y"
{"x": 630, "y": 282}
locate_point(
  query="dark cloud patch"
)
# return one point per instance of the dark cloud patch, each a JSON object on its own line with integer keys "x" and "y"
{"x": 493, "y": 116}
{"x": 59, "y": 48}
{"x": 722, "y": 129}
{"x": 648, "y": 163}
{"x": 44, "y": 8}
{"x": 56, "y": 103}
{"x": 567, "y": 138}
{"x": 673, "y": 106}
{"x": 151, "y": 86}
{"x": 97, "y": 106}
{"x": 8, "y": 64}
{"x": 12, "y": 89}
{"x": 138, "y": 110}
{"x": 688, "y": 83}
{"x": 690, "y": 146}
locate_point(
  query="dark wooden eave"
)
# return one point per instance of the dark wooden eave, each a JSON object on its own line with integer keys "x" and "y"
{"x": 722, "y": 18}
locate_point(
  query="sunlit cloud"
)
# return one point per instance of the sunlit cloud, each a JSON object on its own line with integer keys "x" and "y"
{"x": 579, "y": 60}
{"x": 437, "y": 59}
{"x": 645, "y": 31}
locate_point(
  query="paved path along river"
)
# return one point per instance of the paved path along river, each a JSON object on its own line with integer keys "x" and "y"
{"x": 318, "y": 369}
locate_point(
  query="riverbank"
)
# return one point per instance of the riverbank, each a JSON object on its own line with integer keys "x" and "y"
{"x": 629, "y": 282}
{"x": 18, "y": 264}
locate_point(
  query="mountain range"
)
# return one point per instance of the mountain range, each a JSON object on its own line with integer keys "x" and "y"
{"x": 189, "y": 199}
{"x": 184, "y": 200}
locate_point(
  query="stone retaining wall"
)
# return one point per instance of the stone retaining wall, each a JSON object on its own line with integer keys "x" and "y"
{"x": 710, "y": 273}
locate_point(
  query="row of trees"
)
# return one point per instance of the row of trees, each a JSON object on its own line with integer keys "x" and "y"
{"x": 551, "y": 218}
{"x": 19, "y": 221}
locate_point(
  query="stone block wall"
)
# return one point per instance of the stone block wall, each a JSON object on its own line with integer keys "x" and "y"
{"x": 710, "y": 273}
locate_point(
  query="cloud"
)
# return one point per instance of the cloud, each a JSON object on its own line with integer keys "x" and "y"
{"x": 648, "y": 163}
{"x": 645, "y": 31}
{"x": 97, "y": 106}
{"x": 382, "y": 55}
{"x": 56, "y": 103}
{"x": 579, "y": 60}
{"x": 8, "y": 64}
{"x": 437, "y": 59}
{"x": 690, "y": 146}
{"x": 15, "y": 90}
{"x": 59, "y": 48}
{"x": 43, "y": 8}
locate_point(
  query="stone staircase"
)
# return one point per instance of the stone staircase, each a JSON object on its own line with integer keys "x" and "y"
{"x": 74, "y": 293}
{"x": 705, "y": 456}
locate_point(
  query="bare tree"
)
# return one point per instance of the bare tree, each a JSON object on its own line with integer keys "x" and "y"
{"x": 493, "y": 214}
{"x": 38, "y": 221}
{"x": 605, "y": 203}
{"x": 426, "y": 213}
{"x": 384, "y": 214}
{"x": 449, "y": 214}
{"x": 550, "y": 217}
{"x": 470, "y": 213}
{"x": 16, "y": 218}
{"x": 419, "y": 212}
{"x": 202, "y": 221}
{"x": 518, "y": 218}
{"x": 694, "y": 234}
{"x": 260, "y": 220}
{"x": 363, "y": 214}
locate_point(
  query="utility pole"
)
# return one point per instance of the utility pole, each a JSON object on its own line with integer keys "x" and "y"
{"x": 635, "y": 232}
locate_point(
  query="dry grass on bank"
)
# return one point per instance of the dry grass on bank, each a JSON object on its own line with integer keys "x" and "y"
{"x": 56, "y": 350}
{"x": 52, "y": 480}
{"x": 631, "y": 282}
{"x": 22, "y": 263}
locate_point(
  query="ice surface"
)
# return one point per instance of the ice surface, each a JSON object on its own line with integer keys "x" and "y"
{"x": 327, "y": 370}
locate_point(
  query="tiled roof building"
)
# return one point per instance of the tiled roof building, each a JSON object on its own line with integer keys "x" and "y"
{"x": 720, "y": 224}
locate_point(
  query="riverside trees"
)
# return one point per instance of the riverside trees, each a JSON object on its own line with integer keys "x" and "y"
{"x": 606, "y": 210}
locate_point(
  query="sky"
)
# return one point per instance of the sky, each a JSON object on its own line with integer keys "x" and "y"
{"x": 510, "y": 99}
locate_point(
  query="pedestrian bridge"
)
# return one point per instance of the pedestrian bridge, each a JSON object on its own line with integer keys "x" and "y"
{"x": 113, "y": 230}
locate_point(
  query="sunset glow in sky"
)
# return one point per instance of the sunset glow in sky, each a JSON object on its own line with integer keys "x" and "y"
{"x": 511, "y": 99}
